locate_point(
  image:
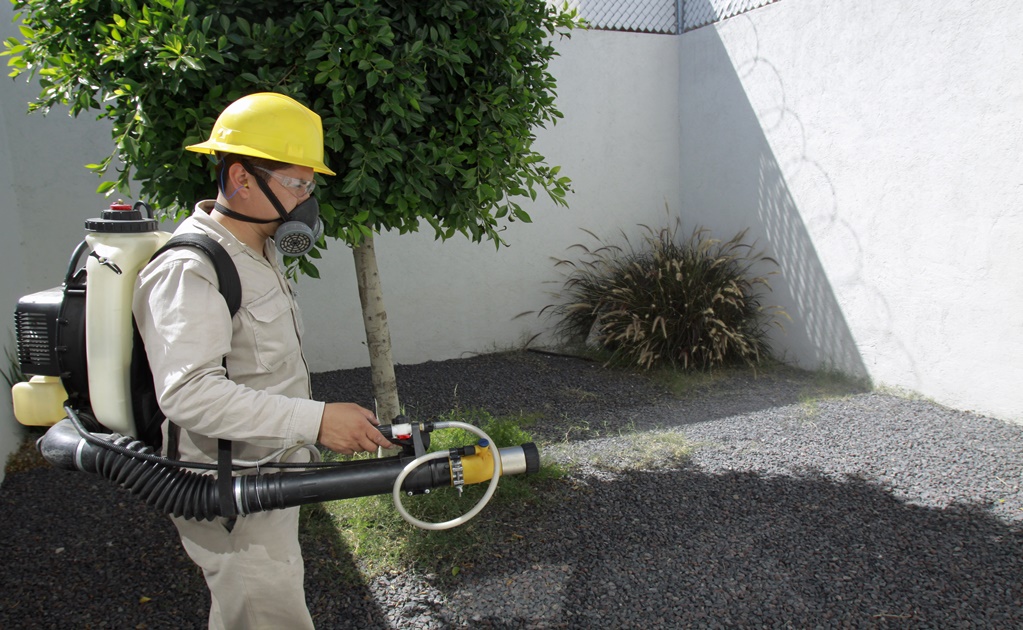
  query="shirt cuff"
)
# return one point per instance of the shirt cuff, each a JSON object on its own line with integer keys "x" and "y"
{"x": 305, "y": 421}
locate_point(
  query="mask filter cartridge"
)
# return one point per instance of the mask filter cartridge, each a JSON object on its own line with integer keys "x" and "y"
{"x": 298, "y": 234}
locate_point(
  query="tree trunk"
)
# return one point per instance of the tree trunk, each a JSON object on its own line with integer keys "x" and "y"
{"x": 378, "y": 336}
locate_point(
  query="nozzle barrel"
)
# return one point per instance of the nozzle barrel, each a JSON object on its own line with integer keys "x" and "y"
{"x": 361, "y": 478}
{"x": 186, "y": 493}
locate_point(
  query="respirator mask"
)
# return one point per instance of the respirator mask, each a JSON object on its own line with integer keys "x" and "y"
{"x": 300, "y": 228}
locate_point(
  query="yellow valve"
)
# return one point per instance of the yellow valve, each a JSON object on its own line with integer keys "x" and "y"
{"x": 479, "y": 466}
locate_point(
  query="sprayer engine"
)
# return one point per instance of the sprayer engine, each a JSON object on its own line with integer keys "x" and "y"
{"x": 49, "y": 326}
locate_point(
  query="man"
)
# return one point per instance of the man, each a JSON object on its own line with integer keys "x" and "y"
{"x": 245, "y": 379}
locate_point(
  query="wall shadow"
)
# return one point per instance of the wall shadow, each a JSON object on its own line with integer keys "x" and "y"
{"x": 742, "y": 550}
{"x": 732, "y": 179}
{"x": 80, "y": 552}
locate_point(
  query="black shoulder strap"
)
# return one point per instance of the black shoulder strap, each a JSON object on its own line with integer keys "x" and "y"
{"x": 227, "y": 273}
{"x": 231, "y": 288}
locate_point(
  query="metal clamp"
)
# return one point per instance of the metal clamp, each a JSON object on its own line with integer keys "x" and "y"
{"x": 457, "y": 472}
{"x": 106, "y": 262}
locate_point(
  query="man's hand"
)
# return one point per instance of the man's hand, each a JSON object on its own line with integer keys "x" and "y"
{"x": 347, "y": 428}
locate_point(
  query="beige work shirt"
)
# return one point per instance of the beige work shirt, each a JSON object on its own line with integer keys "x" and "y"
{"x": 261, "y": 402}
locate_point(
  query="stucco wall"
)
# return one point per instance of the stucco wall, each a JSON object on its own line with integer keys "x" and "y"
{"x": 875, "y": 147}
{"x": 10, "y": 431}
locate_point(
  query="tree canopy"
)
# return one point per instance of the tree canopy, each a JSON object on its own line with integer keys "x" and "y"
{"x": 429, "y": 108}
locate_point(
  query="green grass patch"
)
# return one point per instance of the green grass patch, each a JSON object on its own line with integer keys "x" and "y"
{"x": 832, "y": 383}
{"x": 828, "y": 384}
{"x": 684, "y": 383}
{"x": 372, "y": 530}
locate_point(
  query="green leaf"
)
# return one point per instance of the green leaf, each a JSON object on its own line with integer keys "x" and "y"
{"x": 308, "y": 268}
{"x": 521, "y": 215}
{"x": 194, "y": 64}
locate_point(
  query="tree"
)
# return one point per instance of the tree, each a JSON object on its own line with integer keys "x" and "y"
{"x": 429, "y": 108}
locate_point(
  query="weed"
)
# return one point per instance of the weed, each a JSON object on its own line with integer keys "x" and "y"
{"x": 27, "y": 456}
{"x": 650, "y": 451}
{"x": 692, "y": 303}
{"x": 579, "y": 395}
{"x": 11, "y": 372}
{"x": 682, "y": 383}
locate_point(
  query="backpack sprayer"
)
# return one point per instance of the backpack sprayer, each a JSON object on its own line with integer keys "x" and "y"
{"x": 85, "y": 325}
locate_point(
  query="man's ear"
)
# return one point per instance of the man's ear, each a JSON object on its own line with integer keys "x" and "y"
{"x": 238, "y": 177}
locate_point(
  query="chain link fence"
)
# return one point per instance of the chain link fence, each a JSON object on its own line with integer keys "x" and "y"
{"x": 659, "y": 16}
{"x": 697, "y": 13}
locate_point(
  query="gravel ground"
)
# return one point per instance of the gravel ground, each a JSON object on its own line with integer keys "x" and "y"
{"x": 866, "y": 511}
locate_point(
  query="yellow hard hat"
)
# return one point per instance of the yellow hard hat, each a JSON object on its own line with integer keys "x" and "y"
{"x": 271, "y": 126}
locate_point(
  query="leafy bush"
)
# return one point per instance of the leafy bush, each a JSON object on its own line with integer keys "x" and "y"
{"x": 692, "y": 303}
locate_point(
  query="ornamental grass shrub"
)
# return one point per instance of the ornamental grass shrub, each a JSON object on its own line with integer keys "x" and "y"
{"x": 690, "y": 302}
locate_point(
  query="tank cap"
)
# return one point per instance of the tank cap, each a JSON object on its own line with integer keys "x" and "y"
{"x": 122, "y": 218}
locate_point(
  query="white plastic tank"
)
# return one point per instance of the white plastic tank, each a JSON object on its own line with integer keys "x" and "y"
{"x": 122, "y": 242}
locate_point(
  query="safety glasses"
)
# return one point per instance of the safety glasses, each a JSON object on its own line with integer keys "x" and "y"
{"x": 297, "y": 187}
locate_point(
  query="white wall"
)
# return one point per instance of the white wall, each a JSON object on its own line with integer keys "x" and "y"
{"x": 876, "y": 148}
{"x": 10, "y": 285}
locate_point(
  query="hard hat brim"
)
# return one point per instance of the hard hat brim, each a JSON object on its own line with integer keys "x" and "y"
{"x": 212, "y": 147}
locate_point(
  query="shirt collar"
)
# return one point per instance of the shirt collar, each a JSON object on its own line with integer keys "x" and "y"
{"x": 203, "y": 216}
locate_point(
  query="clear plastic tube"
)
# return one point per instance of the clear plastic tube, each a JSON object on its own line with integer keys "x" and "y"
{"x": 419, "y": 461}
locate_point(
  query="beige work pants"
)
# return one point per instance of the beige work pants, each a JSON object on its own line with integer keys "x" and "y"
{"x": 255, "y": 572}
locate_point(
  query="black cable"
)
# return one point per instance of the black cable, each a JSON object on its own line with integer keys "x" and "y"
{"x": 153, "y": 458}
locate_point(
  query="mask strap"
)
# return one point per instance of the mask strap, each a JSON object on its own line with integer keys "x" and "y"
{"x": 266, "y": 190}
{"x": 224, "y": 210}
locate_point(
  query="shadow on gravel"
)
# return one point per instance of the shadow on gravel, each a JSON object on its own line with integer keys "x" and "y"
{"x": 78, "y": 552}
{"x": 741, "y": 550}
{"x": 570, "y": 397}
{"x": 335, "y": 591}
{"x": 732, "y": 550}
